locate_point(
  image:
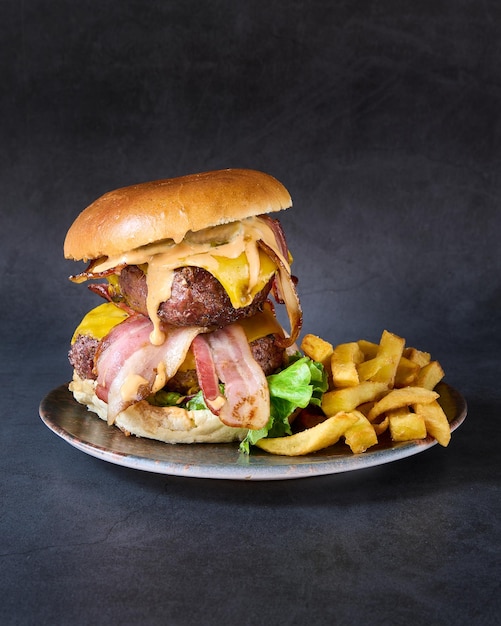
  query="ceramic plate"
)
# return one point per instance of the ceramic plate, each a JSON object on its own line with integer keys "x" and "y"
{"x": 86, "y": 432}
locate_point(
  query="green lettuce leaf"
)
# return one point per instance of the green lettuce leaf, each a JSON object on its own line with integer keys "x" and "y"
{"x": 166, "y": 398}
{"x": 172, "y": 398}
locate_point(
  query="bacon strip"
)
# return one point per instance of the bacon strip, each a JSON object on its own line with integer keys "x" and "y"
{"x": 278, "y": 232}
{"x": 287, "y": 289}
{"x": 245, "y": 386}
{"x": 129, "y": 367}
{"x": 206, "y": 374}
{"x": 88, "y": 273}
{"x": 120, "y": 343}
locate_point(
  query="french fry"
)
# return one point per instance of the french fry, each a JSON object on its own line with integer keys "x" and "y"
{"x": 368, "y": 369}
{"x": 344, "y": 360}
{"x": 419, "y": 357}
{"x": 430, "y": 375}
{"x": 406, "y": 426}
{"x": 406, "y": 373}
{"x": 317, "y": 349}
{"x": 437, "y": 424}
{"x": 361, "y": 435}
{"x": 369, "y": 348}
{"x": 318, "y": 437}
{"x": 390, "y": 351}
{"x": 396, "y": 398}
{"x": 350, "y": 398}
{"x": 383, "y": 367}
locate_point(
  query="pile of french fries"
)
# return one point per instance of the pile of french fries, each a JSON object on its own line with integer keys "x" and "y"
{"x": 373, "y": 388}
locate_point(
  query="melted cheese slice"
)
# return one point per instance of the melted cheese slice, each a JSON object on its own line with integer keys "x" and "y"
{"x": 99, "y": 321}
{"x": 233, "y": 274}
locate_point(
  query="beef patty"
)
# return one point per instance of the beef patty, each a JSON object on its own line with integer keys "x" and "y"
{"x": 197, "y": 298}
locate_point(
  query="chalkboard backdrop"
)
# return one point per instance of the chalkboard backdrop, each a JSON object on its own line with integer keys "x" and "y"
{"x": 382, "y": 118}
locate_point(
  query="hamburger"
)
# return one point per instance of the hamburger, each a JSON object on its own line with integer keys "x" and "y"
{"x": 186, "y": 346}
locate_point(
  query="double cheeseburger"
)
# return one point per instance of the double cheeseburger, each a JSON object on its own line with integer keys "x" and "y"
{"x": 190, "y": 270}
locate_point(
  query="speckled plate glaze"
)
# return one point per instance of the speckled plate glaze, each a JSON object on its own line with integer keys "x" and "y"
{"x": 86, "y": 432}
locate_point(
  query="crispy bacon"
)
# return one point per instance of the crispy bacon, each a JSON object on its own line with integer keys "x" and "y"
{"x": 206, "y": 374}
{"x": 245, "y": 386}
{"x": 287, "y": 290}
{"x": 120, "y": 343}
{"x": 129, "y": 367}
{"x": 89, "y": 274}
{"x": 277, "y": 229}
{"x": 101, "y": 289}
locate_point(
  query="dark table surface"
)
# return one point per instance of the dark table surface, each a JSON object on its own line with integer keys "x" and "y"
{"x": 383, "y": 120}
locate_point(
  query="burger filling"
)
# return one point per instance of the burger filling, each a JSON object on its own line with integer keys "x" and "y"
{"x": 192, "y": 318}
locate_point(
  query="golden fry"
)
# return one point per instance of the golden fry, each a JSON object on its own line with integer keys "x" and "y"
{"x": 361, "y": 435}
{"x": 397, "y": 398}
{"x": 430, "y": 375}
{"x": 383, "y": 366}
{"x": 437, "y": 424}
{"x": 317, "y": 349}
{"x": 369, "y": 348}
{"x": 407, "y": 372}
{"x": 390, "y": 351}
{"x": 368, "y": 369}
{"x": 344, "y": 360}
{"x": 365, "y": 407}
{"x": 321, "y": 436}
{"x": 407, "y": 426}
{"x": 419, "y": 357}
{"x": 350, "y": 398}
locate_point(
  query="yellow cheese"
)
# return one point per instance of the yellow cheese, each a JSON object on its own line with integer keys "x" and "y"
{"x": 261, "y": 324}
{"x": 99, "y": 321}
{"x": 233, "y": 274}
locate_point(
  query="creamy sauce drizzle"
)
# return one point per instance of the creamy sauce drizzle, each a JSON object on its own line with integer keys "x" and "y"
{"x": 129, "y": 389}
{"x": 160, "y": 378}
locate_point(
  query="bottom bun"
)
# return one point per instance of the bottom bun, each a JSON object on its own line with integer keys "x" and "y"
{"x": 168, "y": 424}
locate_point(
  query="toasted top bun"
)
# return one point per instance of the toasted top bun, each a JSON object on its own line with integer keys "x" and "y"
{"x": 128, "y": 218}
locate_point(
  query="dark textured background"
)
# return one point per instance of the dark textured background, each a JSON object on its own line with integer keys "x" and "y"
{"x": 383, "y": 120}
